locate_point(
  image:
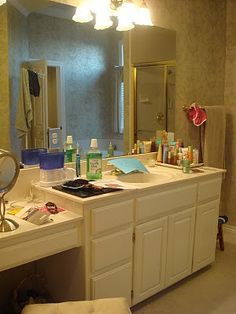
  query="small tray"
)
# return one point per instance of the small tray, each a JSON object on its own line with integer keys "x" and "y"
{"x": 75, "y": 184}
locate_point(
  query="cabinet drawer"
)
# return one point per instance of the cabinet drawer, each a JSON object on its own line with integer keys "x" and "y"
{"x": 209, "y": 189}
{"x": 112, "y": 216}
{"x": 115, "y": 283}
{"x": 162, "y": 202}
{"x": 111, "y": 249}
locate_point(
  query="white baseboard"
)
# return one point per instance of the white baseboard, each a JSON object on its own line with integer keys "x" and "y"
{"x": 230, "y": 233}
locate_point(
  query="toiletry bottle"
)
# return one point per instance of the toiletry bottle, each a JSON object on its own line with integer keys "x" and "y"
{"x": 110, "y": 151}
{"x": 159, "y": 154}
{"x": 190, "y": 154}
{"x": 141, "y": 147}
{"x": 138, "y": 146}
{"x": 69, "y": 149}
{"x": 165, "y": 153}
{"x": 77, "y": 161}
{"x": 94, "y": 162}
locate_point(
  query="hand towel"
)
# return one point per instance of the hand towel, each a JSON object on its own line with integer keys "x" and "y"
{"x": 213, "y": 140}
{"x": 24, "y": 114}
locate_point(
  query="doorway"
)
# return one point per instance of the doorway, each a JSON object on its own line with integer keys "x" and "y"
{"x": 49, "y": 107}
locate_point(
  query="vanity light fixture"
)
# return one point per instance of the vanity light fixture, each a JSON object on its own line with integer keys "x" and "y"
{"x": 2, "y": 2}
{"x": 127, "y": 12}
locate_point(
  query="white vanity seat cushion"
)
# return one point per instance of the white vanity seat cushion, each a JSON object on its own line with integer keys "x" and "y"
{"x": 100, "y": 306}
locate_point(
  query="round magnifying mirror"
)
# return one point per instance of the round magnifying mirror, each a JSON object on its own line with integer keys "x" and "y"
{"x": 9, "y": 171}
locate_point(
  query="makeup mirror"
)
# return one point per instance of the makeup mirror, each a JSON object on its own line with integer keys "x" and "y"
{"x": 9, "y": 171}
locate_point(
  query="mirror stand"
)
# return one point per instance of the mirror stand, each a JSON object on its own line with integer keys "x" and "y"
{"x": 9, "y": 171}
{"x": 6, "y": 224}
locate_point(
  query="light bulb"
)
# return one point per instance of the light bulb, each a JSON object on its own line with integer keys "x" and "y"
{"x": 82, "y": 14}
{"x": 2, "y": 2}
{"x": 142, "y": 16}
{"x": 125, "y": 16}
{"x": 103, "y": 21}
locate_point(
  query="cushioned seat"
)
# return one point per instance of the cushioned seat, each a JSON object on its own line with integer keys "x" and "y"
{"x": 100, "y": 306}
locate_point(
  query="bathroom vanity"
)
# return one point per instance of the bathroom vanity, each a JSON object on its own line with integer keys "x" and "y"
{"x": 138, "y": 241}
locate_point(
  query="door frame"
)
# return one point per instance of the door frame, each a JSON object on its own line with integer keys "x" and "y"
{"x": 61, "y": 113}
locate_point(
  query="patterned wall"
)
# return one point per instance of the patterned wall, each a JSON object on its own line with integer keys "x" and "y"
{"x": 18, "y": 53}
{"x": 4, "y": 79}
{"x": 230, "y": 103}
{"x": 88, "y": 59}
{"x": 205, "y": 69}
{"x": 200, "y": 53}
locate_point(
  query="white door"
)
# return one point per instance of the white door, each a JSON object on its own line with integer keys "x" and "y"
{"x": 39, "y": 105}
{"x": 180, "y": 245}
{"x": 150, "y": 101}
{"x": 149, "y": 259}
{"x": 206, "y": 232}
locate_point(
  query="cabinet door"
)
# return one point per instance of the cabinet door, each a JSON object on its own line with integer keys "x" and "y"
{"x": 180, "y": 245}
{"x": 149, "y": 259}
{"x": 206, "y": 231}
{"x": 114, "y": 283}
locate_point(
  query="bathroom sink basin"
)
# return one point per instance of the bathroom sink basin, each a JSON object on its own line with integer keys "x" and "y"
{"x": 145, "y": 177}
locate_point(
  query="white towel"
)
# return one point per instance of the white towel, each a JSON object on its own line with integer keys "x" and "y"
{"x": 213, "y": 140}
{"x": 24, "y": 114}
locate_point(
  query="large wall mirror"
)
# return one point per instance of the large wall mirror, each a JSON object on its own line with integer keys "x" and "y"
{"x": 85, "y": 76}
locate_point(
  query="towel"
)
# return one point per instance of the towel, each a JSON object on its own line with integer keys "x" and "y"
{"x": 213, "y": 137}
{"x": 24, "y": 114}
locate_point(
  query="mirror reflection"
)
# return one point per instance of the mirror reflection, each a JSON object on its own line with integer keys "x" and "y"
{"x": 81, "y": 77}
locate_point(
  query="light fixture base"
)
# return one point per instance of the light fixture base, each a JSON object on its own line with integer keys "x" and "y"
{"x": 7, "y": 225}
{"x": 115, "y": 4}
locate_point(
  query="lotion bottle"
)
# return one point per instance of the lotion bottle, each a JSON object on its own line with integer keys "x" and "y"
{"x": 94, "y": 162}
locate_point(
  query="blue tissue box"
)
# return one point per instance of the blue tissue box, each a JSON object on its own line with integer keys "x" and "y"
{"x": 30, "y": 156}
{"x": 49, "y": 161}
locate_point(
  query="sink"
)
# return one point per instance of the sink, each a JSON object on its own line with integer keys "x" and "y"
{"x": 144, "y": 177}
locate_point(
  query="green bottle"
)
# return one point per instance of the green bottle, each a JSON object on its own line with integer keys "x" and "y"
{"x": 70, "y": 151}
{"x": 94, "y": 161}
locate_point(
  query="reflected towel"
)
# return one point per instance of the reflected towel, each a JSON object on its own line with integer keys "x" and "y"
{"x": 24, "y": 113}
{"x": 213, "y": 137}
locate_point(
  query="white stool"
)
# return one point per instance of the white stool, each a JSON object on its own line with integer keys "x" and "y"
{"x": 100, "y": 306}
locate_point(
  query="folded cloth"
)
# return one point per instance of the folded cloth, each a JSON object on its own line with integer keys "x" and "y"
{"x": 213, "y": 137}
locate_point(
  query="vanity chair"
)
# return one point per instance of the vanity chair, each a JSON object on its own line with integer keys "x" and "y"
{"x": 221, "y": 221}
{"x": 101, "y": 306}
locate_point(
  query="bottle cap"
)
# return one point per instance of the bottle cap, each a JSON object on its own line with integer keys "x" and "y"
{"x": 69, "y": 139}
{"x": 94, "y": 143}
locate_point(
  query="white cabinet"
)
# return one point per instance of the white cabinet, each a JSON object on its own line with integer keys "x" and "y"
{"x": 206, "y": 222}
{"x": 163, "y": 246}
{"x": 111, "y": 250}
{"x": 149, "y": 258}
{"x": 180, "y": 245}
{"x": 116, "y": 282}
{"x": 206, "y": 231}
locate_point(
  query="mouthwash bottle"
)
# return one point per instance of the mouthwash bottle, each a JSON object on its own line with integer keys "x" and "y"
{"x": 69, "y": 149}
{"x": 94, "y": 161}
